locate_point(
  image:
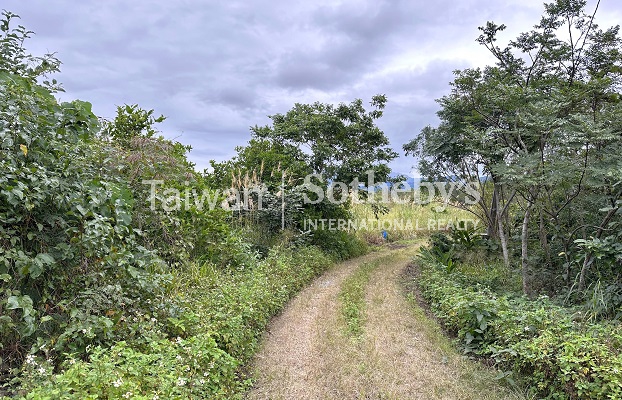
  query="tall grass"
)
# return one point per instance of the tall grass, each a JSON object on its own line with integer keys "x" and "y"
{"x": 408, "y": 220}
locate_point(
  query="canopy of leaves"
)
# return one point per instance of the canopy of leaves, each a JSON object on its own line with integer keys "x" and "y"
{"x": 260, "y": 161}
{"x": 543, "y": 125}
{"x": 340, "y": 142}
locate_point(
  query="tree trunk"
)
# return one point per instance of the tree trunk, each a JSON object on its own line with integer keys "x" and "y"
{"x": 502, "y": 237}
{"x": 524, "y": 253}
{"x": 491, "y": 229}
{"x": 544, "y": 240}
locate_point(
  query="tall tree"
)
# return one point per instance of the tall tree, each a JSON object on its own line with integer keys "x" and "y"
{"x": 340, "y": 142}
{"x": 543, "y": 126}
{"x": 262, "y": 161}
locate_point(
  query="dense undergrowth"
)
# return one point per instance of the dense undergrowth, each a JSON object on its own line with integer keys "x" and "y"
{"x": 554, "y": 350}
{"x": 224, "y": 315}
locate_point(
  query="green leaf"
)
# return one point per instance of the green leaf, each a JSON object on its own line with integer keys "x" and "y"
{"x": 12, "y": 303}
{"x": 18, "y": 193}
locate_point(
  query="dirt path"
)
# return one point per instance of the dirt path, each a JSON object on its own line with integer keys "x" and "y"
{"x": 401, "y": 354}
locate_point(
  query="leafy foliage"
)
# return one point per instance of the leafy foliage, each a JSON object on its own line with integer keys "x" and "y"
{"x": 540, "y": 134}
{"x": 181, "y": 369}
{"x": 537, "y": 342}
{"x": 448, "y": 249}
{"x": 343, "y": 141}
{"x": 66, "y": 237}
{"x": 108, "y": 291}
{"x": 16, "y": 61}
{"x": 221, "y": 317}
{"x": 130, "y": 123}
{"x": 271, "y": 163}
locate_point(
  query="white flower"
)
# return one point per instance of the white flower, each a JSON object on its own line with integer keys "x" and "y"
{"x": 127, "y": 395}
{"x": 117, "y": 383}
{"x": 179, "y": 358}
{"x": 30, "y": 359}
{"x": 181, "y": 381}
{"x": 41, "y": 370}
{"x": 178, "y": 340}
{"x": 202, "y": 381}
{"x": 156, "y": 397}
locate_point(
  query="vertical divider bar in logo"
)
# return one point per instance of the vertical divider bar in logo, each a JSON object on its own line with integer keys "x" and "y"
{"x": 283, "y": 201}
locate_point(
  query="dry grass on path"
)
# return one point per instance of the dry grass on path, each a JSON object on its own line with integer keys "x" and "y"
{"x": 291, "y": 363}
{"x": 307, "y": 353}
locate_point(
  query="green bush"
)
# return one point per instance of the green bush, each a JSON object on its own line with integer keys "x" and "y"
{"x": 219, "y": 316}
{"x": 576, "y": 364}
{"x": 180, "y": 369}
{"x": 237, "y": 305}
{"x": 341, "y": 245}
{"x": 541, "y": 342}
{"x": 70, "y": 254}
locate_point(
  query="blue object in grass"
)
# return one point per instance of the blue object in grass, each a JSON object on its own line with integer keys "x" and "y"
{"x": 385, "y": 235}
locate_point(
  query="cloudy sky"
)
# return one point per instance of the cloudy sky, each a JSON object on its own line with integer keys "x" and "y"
{"x": 215, "y": 68}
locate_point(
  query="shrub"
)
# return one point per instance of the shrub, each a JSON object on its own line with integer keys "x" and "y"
{"x": 218, "y": 317}
{"x": 238, "y": 305}
{"x": 66, "y": 234}
{"x": 540, "y": 341}
{"x": 341, "y": 245}
{"x": 179, "y": 369}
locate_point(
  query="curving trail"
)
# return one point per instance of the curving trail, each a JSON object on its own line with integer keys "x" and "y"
{"x": 401, "y": 354}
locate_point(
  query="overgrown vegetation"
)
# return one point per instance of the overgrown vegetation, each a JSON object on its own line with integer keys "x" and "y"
{"x": 539, "y": 294}
{"x": 220, "y": 318}
{"x": 539, "y": 136}
{"x": 125, "y": 272}
{"x": 539, "y": 343}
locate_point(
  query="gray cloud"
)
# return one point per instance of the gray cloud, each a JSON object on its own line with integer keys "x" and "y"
{"x": 216, "y": 68}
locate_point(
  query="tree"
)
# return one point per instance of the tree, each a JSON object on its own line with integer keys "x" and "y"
{"x": 340, "y": 142}
{"x": 261, "y": 161}
{"x": 132, "y": 122}
{"x": 543, "y": 126}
